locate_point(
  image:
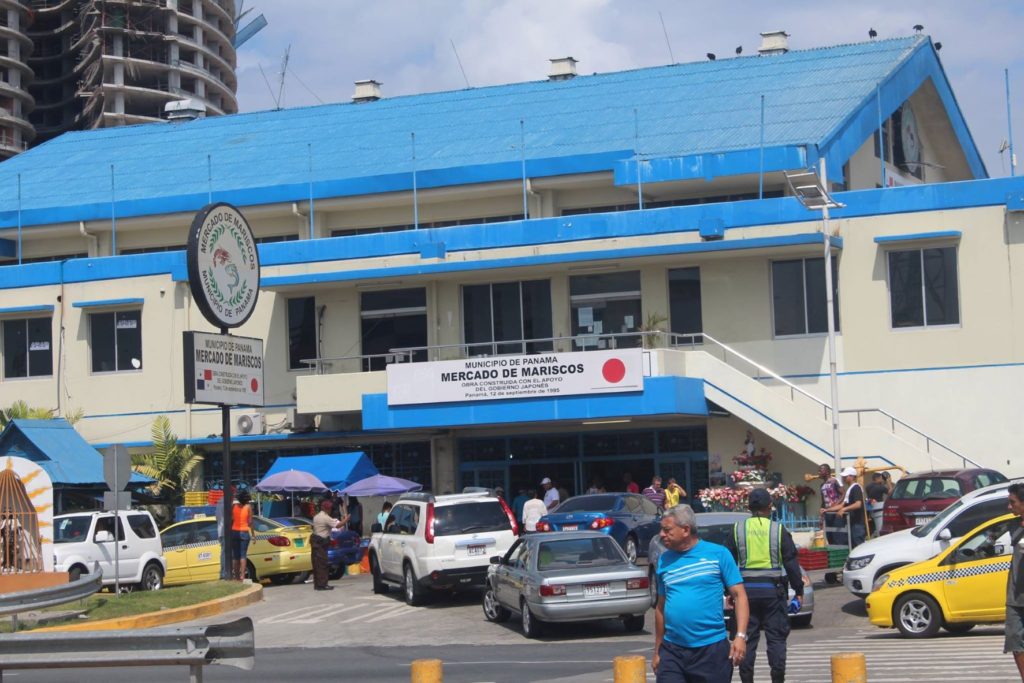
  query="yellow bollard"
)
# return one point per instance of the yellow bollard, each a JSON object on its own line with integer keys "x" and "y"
{"x": 427, "y": 671}
{"x": 849, "y": 667}
{"x": 631, "y": 669}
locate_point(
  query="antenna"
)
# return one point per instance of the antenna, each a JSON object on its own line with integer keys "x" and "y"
{"x": 280, "y": 80}
{"x": 672, "y": 57}
{"x": 460, "y": 63}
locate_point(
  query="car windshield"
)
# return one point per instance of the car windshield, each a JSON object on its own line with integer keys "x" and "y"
{"x": 927, "y": 487}
{"x": 469, "y": 518}
{"x": 938, "y": 520}
{"x": 589, "y": 504}
{"x": 576, "y": 552}
{"x": 71, "y": 529}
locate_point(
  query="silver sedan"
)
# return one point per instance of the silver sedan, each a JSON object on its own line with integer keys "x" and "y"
{"x": 570, "y": 576}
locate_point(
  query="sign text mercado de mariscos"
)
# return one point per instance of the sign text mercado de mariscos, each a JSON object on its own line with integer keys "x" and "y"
{"x": 504, "y": 377}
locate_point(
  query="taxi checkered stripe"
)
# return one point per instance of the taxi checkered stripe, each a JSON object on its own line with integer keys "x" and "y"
{"x": 960, "y": 573}
{"x": 212, "y": 541}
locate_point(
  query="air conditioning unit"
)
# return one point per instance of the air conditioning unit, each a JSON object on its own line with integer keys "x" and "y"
{"x": 301, "y": 422}
{"x": 249, "y": 423}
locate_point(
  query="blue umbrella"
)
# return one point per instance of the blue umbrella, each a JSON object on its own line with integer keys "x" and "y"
{"x": 381, "y": 485}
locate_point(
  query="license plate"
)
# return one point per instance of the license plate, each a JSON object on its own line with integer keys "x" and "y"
{"x": 595, "y": 590}
{"x": 476, "y": 549}
{"x": 570, "y": 527}
{"x": 921, "y": 521}
{"x": 299, "y": 543}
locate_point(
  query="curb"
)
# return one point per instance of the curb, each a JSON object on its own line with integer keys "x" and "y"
{"x": 200, "y": 610}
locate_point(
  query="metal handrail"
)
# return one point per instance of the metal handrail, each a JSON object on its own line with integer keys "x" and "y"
{"x": 317, "y": 365}
{"x": 27, "y": 601}
{"x": 928, "y": 440}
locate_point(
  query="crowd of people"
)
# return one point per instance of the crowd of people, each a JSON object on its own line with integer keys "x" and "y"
{"x": 849, "y": 512}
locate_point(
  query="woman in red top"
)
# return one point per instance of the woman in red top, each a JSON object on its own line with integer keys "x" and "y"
{"x": 241, "y": 533}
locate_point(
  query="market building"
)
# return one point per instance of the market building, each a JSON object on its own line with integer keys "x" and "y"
{"x": 639, "y": 218}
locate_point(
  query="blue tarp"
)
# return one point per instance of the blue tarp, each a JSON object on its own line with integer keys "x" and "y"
{"x": 60, "y": 451}
{"x": 335, "y": 470}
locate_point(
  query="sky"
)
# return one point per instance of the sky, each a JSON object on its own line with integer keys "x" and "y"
{"x": 407, "y": 45}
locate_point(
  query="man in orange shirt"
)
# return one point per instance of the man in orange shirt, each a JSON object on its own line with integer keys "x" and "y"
{"x": 241, "y": 533}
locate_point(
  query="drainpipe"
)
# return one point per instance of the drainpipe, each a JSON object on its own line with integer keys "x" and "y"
{"x": 95, "y": 250}
{"x": 540, "y": 199}
{"x": 296, "y": 212}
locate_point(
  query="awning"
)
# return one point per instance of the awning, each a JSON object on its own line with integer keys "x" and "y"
{"x": 335, "y": 470}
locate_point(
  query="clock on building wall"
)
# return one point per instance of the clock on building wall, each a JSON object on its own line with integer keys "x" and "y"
{"x": 907, "y": 153}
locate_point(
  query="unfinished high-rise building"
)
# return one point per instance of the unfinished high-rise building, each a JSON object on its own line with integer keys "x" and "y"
{"x": 15, "y": 101}
{"x": 103, "y": 63}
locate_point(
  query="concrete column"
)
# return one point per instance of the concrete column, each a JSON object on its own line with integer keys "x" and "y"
{"x": 443, "y": 464}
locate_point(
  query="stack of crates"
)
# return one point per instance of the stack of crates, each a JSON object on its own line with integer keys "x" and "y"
{"x": 837, "y": 555}
{"x": 195, "y": 498}
{"x": 214, "y": 496}
{"x": 813, "y": 559}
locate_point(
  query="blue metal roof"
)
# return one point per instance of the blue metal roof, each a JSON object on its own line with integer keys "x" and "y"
{"x": 335, "y": 470}
{"x": 585, "y": 124}
{"x": 58, "y": 449}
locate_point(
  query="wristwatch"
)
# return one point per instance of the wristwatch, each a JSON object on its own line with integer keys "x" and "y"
{"x": 741, "y": 634}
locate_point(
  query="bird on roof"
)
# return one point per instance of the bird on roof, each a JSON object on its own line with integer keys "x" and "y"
{"x": 938, "y": 46}
{"x": 872, "y": 33}
{"x": 711, "y": 56}
{"x": 918, "y": 28}
{"x": 739, "y": 50}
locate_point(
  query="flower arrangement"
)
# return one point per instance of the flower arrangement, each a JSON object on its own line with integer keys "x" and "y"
{"x": 759, "y": 460}
{"x": 803, "y": 493}
{"x": 723, "y": 498}
{"x": 748, "y": 475}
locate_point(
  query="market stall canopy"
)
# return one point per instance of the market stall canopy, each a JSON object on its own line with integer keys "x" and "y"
{"x": 335, "y": 470}
{"x": 291, "y": 481}
{"x": 381, "y": 485}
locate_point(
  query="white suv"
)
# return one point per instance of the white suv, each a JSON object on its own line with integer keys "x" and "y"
{"x": 870, "y": 560}
{"x": 84, "y": 544}
{"x": 440, "y": 542}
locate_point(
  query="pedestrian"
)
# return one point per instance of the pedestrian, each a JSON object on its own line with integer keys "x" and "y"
{"x": 631, "y": 486}
{"x": 551, "y": 496}
{"x": 241, "y": 534}
{"x": 1015, "y": 581}
{"x": 518, "y": 502}
{"x": 691, "y": 644}
{"x": 596, "y": 486}
{"x": 384, "y": 512}
{"x": 674, "y": 493}
{"x": 655, "y": 493}
{"x": 877, "y": 492}
{"x": 831, "y": 493}
{"x": 355, "y": 515}
{"x": 533, "y": 510}
{"x": 851, "y": 509}
{"x": 323, "y": 523}
{"x": 767, "y": 558}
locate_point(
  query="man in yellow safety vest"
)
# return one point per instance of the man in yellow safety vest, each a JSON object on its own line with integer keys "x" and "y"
{"x": 767, "y": 558}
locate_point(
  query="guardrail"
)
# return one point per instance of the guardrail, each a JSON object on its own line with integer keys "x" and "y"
{"x": 230, "y": 644}
{"x": 26, "y": 601}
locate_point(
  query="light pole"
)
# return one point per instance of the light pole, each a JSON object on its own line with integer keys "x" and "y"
{"x": 812, "y": 192}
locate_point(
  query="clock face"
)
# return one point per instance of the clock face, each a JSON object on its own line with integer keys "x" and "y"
{"x": 909, "y": 138}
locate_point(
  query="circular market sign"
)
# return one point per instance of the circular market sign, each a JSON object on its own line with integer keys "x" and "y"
{"x": 223, "y": 265}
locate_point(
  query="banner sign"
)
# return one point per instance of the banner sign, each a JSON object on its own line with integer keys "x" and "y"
{"x": 500, "y": 377}
{"x": 223, "y": 265}
{"x": 223, "y": 369}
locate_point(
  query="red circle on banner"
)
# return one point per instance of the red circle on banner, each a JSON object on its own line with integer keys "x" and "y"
{"x": 613, "y": 370}
{"x": 254, "y": 385}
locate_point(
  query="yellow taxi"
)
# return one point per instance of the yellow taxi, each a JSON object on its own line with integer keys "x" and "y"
{"x": 962, "y": 586}
{"x": 276, "y": 552}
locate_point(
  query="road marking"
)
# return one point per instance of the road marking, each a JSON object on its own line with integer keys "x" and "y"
{"x": 323, "y": 613}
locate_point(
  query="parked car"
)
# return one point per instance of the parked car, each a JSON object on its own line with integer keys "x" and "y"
{"x": 631, "y": 519}
{"x": 192, "y": 550}
{"x": 918, "y": 497}
{"x": 958, "y": 588}
{"x": 83, "y": 543}
{"x": 873, "y": 558}
{"x": 345, "y": 547}
{"x": 716, "y": 527}
{"x": 440, "y": 542}
{"x": 567, "y": 576}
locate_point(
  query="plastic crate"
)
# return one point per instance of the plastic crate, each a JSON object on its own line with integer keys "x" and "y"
{"x": 196, "y": 498}
{"x": 813, "y": 559}
{"x": 214, "y": 496}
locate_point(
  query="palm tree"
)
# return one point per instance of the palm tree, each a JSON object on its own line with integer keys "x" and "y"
{"x": 173, "y": 467}
{"x": 19, "y": 410}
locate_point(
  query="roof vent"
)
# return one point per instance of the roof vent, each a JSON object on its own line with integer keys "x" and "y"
{"x": 774, "y": 43}
{"x": 562, "y": 69}
{"x": 366, "y": 91}
{"x": 184, "y": 110}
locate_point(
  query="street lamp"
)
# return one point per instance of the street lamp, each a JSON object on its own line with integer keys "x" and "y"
{"x": 811, "y": 189}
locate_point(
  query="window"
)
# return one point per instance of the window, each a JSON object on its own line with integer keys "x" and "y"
{"x": 684, "y": 312}
{"x": 923, "y": 287}
{"x": 992, "y": 541}
{"x": 469, "y": 518}
{"x": 509, "y": 311}
{"x": 142, "y": 525}
{"x": 177, "y": 536}
{"x": 116, "y": 341}
{"x": 924, "y": 488}
{"x": 393, "y": 319}
{"x": 301, "y": 331}
{"x": 107, "y": 524}
{"x": 26, "y": 348}
{"x": 977, "y": 514}
{"x": 798, "y": 296}
{"x": 603, "y": 305}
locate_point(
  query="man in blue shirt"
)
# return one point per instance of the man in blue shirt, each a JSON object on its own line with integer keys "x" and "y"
{"x": 691, "y": 644}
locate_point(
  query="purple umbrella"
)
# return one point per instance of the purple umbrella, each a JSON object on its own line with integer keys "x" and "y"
{"x": 381, "y": 485}
{"x": 291, "y": 481}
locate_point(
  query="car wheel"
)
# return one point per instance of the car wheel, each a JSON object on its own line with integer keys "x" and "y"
{"x": 653, "y": 583}
{"x": 152, "y": 578}
{"x": 75, "y": 573}
{"x": 917, "y": 616}
{"x": 957, "y": 629}
{"x": 532, "y": 626}
{"x": 494, "y": 610}
{"x": 413, "y": 592}
{"x": 801, "y": 621}
{"x": 250, "y": 572}
{"x": 301, "y": 578}
{"x": 282, "y": 579}
{"x": 631, "y": 551}
{"x": 378, "y": 582}
{"x": 633, "y": 624}
{"x": 335, "y": 573}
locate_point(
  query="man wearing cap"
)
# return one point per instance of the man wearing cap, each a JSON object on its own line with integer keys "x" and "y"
{"x": 767, "y": 558}
{"x": 550, "y": 494}
{"x": 852, "y": 506}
